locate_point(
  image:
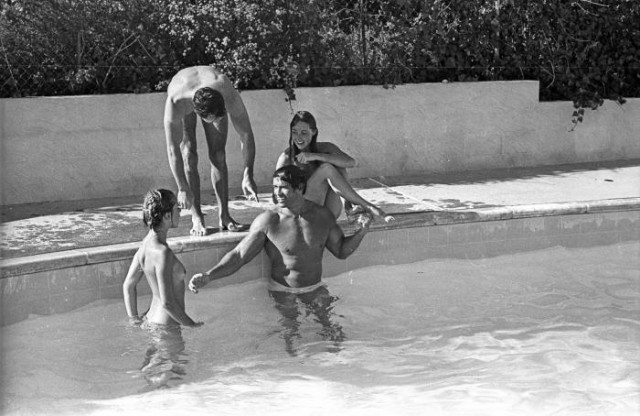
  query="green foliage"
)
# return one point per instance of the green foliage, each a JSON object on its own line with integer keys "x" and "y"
{"x": 580, "y": 50}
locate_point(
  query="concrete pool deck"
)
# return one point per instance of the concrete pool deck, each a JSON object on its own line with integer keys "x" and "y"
{"x": 39, "y": 237}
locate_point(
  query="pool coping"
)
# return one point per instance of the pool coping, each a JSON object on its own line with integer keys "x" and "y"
{"x": 102, "y": 254}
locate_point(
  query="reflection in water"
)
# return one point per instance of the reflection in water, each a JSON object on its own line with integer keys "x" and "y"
{"x": 163, "y": 360}
{"x": 319, "y": 303}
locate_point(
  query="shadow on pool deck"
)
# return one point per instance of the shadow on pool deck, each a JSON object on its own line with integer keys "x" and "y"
{"x": 32, "y": 229}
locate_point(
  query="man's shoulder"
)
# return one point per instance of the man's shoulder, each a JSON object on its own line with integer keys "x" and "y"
{"x": 265, "y": 219}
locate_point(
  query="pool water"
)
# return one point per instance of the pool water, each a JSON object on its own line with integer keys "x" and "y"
{"x": 549, "y": 332}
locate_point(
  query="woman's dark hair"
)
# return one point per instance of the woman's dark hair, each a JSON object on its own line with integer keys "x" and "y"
{"x": 157, "y": 202}
{"x": 308, "y": 118}
{"x": 292, "y": 175}
{"x": 208, "y": 102}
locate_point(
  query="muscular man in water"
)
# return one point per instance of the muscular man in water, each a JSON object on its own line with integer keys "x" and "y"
{"x": 294, "y": 235}
{"x": 204, "y": 92}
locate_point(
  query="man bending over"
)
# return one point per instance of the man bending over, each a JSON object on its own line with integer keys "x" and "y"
{"x": 204, "y": 92}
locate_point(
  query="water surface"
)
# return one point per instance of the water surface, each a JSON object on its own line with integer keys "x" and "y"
{"x": 551, "y": 332}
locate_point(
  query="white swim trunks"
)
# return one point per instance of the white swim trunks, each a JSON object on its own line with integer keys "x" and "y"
{"x": 274, "y": 286}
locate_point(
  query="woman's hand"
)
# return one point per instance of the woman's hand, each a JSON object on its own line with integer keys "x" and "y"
{"x": 305, "y": 157}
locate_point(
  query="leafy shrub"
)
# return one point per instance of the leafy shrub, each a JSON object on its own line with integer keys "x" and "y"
{"x": 582, "y": 50}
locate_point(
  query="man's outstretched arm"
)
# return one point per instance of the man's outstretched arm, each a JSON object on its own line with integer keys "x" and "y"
{"x": 242, "y": 254}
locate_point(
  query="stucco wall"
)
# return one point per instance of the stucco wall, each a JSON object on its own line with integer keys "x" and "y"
{"x": 69, "y": 148}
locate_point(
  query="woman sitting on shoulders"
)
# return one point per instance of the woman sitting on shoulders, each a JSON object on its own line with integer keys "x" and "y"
{"x": 326, "y": 167}
{"x": 164, "y": 272}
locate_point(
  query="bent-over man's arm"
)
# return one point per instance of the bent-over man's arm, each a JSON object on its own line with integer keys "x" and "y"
{"x": 173, "y": 127}
{"x": 241, "y": 123}
{"x": 242, "y": 254}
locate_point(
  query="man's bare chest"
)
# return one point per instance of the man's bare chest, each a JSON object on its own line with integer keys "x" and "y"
{"x": 298, "y": 236}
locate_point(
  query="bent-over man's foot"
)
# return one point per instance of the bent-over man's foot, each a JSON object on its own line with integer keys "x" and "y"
{"x": 198, "y": 229}
{"x": 232, "y": 225}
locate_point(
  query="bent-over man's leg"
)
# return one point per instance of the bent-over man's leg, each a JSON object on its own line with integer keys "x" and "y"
{"x": 216, "y": 135}
{"x": 189, "y": 150}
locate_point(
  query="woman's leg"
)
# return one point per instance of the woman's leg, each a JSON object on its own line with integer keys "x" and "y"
{"x": 334, "y": 202}
{"x": 328, "y": 175}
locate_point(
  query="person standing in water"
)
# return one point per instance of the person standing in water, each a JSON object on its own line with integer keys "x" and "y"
{"x": 326, "y": 167}
{"x": 155, "y": 260}
{"x": 294, "y": 235}
{"x": 204, "y": 92}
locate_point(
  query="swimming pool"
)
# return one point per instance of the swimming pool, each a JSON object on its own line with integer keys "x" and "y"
{"x": 547, "y": 328}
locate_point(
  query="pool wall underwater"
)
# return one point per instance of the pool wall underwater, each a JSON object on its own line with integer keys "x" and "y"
{"x": 63, "y": 281}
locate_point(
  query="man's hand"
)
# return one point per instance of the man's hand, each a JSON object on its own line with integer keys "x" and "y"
{"x": 197, "y": 281}
{"x": 185, "y": 199}
{"x": 249, "y": 188}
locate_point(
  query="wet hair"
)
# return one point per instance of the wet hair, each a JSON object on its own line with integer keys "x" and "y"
{"x": 308, "y": 118}
{"x": 292, "y": 175}
{"x": 157, "y": 202}
{"x": 209, "y": 102}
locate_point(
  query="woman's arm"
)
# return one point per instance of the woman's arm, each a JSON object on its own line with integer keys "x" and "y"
{"x": 328, "y": 153}
{"x": 164, "y": 274}
{"x": 129, "y": 288}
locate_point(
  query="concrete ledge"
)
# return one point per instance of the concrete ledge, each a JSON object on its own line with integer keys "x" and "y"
{"x": 118, "y": 252}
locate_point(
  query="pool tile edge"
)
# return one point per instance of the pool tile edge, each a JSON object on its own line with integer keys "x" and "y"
{"x": 103, "y": 254}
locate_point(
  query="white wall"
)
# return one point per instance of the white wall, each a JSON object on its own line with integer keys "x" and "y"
{"x": 69, "y": 148}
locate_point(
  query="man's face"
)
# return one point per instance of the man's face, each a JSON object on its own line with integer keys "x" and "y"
{"x": 211, "y": 119}
{"x": 284, "y": 193}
